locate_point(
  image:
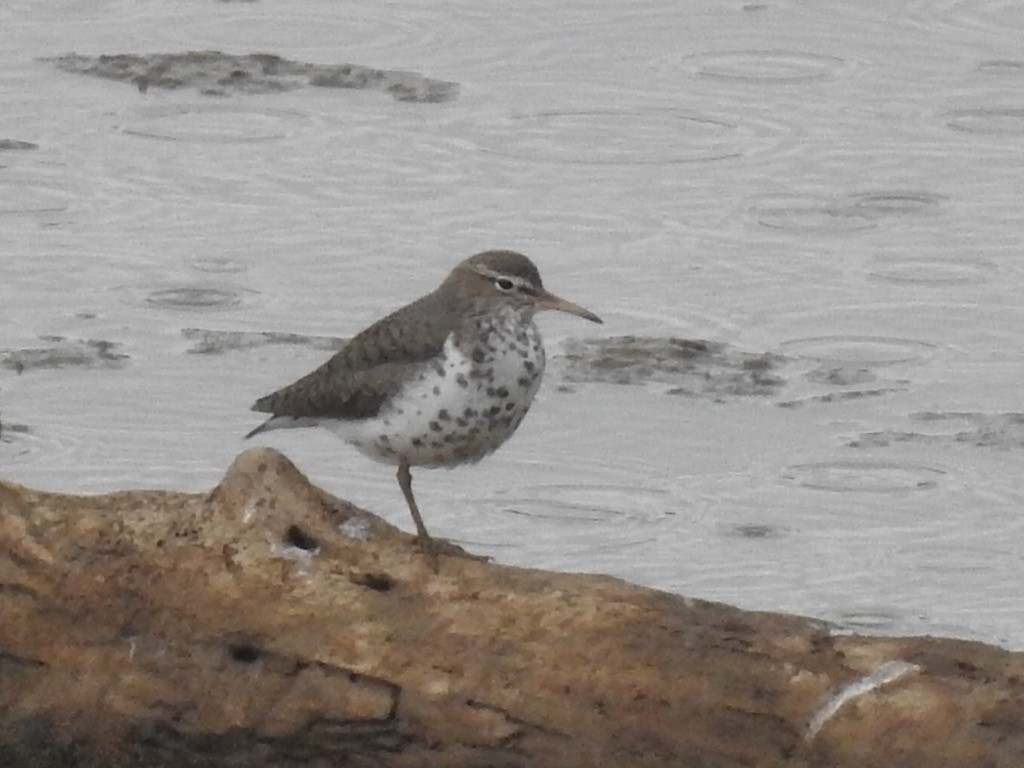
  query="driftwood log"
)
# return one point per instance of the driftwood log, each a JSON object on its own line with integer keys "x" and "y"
{"x": 267, "y": 623}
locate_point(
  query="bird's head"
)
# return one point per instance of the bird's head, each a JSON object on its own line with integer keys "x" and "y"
{"x": 507, "y": 276}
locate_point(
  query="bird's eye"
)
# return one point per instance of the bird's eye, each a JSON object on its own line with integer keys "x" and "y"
{"x": 504, "y": 284}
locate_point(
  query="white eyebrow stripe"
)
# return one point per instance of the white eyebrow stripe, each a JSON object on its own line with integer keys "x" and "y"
{"x": 493, "y": 275}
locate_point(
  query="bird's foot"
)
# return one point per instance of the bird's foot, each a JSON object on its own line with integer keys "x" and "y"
{"x": 426, "y": 545}
{"x": 433, "y": 548}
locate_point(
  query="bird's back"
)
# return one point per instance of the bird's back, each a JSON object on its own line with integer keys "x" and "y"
{"x": 371, "y": 368}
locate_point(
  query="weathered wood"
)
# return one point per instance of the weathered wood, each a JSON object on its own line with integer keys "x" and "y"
{"x": 268, "y": 623}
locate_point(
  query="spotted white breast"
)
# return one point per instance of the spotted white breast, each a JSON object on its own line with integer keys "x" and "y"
{"x": 459, "y": 407}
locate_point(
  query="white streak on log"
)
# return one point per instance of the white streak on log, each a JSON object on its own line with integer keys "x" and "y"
{"x": 886, "y": 673}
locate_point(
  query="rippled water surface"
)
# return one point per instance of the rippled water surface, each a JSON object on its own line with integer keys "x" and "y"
{"x": 801, "y": 221}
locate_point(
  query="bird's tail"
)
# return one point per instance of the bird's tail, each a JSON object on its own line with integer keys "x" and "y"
{"x": 261, "y": 428}
{"x": 281, "y": 422}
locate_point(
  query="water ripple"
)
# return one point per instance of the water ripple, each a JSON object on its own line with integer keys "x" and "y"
{"x": 607, "y": 136}
{"x": 753, "y": 530}
{"x": 20, "y": 443}
{"x": 35, "y": 191}
{"x": 217, "y": 265}
{"x": 867, "y": 619}
{"x": 192, "y": 297}
{"x": 1001, "y": 67}
{"x": 916, "y": 332}
{"x": 187, "y": 297}
{"x": 932, "y": 270}
{"x": 989, "y": 121}
{"x": 547, "y": 517}
{"x": 828, "y": 213}
{"x": 764, "y": 66}
{"x": 212, "y": 123}
{"x": 998, "y": 17}
{"x": 584, "y": 504}
{"x": 864, "y": 476}
{"x": 339, "y": 27}
{"x": 861, "y": 350}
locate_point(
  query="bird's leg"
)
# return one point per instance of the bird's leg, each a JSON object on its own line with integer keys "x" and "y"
{"x": 405, "y": 483}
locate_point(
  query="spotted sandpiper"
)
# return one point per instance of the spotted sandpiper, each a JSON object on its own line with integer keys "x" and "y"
{"x": 443, "y": 381}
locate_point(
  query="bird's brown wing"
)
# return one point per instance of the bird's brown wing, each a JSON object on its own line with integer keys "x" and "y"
{"x": 370, "y": 368}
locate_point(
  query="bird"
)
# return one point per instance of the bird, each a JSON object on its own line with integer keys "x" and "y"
{"x": 442, "y": 381}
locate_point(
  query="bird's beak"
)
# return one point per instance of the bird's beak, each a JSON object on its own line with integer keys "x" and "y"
{"x": 546, "y": 300}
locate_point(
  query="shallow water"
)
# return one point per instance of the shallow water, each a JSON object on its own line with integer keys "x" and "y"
{"x": 827, "y": 193}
